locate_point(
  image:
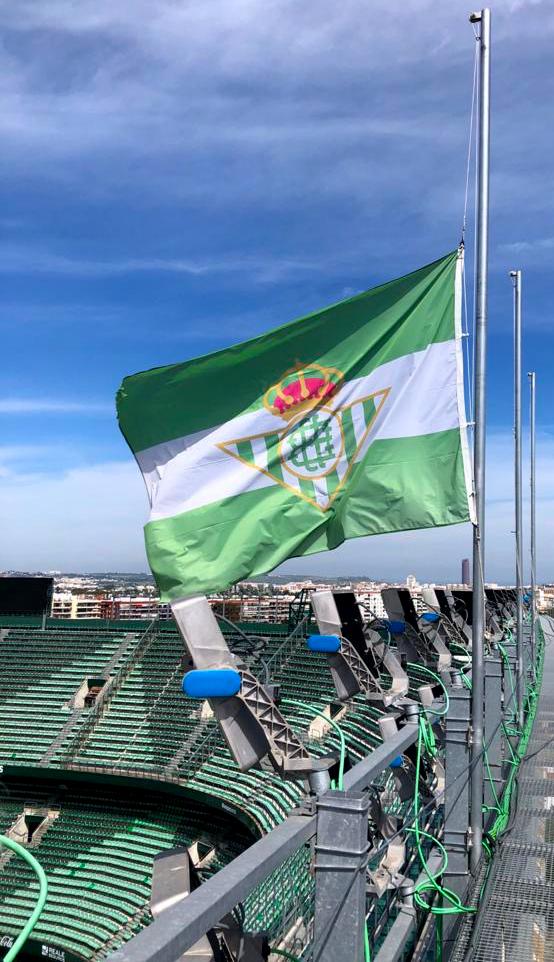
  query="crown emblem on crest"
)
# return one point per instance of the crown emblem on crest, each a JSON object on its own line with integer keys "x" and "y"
{"x": 302, "y": 389}
{"x": 323, "y": 437}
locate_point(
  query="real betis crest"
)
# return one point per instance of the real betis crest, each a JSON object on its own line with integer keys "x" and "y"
{"x": 321, "y": 439}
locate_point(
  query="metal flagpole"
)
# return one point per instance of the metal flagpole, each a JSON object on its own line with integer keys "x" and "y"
{"x": 532, "y": 426}
{"x": 481, "y": 283}
{"x": 516, "y": 279}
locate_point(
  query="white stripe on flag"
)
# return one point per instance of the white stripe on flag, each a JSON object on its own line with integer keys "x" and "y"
{"x": 259, "y": 450}
{"x": 321, "y": 492}
{"x": 290, "y": 479}
{"x": 422, "y": 400}
{"x": 359, "y": 422}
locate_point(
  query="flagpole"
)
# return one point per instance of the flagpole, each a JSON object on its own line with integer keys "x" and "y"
{"x": 532, "y": 426}
{"x": 481, "y": 283}
{"x": 516, "y": 280}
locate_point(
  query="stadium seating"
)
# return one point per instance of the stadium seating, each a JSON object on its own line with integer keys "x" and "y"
{"x": 40, "y": 671}
{"x": 147, "y": 725}
{"x": 98, "y": 858}
{"x": 98, "y": 852}
{"x": 146, "y": 722}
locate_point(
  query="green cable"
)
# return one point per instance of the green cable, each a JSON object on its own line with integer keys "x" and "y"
{"x": 491, "y": 780}
{"x": 507, "y": 732}
{"x": 531, "y": 703}
{"x": 43, "y": 892}
{"x": 428, "y": 736}
{"x": 432, "y": 884}
{"x": 367, "y": 948}
{"x": 438, "y": 679}
{"x": 464, "y": 669}
{"x": 504, "y": 654}
{"x": 455, "y": 644}
{"x": 285, "y": 954}
{"x": 338, "y": 729}
{"x": 429, "y": 884}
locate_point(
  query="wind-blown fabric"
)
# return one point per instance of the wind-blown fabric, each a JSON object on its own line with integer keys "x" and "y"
{"x": 345, "y": 423}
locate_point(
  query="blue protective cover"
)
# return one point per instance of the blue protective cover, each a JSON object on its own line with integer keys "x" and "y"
{"x": 328, "y": 643}
{"x": 396, "y": 762}
{"x": 430, "y": 616}
{"x": 211, "y": 683}
{"x": 396, "y": 627}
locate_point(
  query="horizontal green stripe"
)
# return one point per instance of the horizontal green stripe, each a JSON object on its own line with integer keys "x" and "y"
{"x": 355, "y": 336}
{"x": 401, "y": 485}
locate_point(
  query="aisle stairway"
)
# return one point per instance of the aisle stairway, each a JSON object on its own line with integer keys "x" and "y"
{"x": 98, "y": 855}
{"x": 145, "y": 724}
{"x": 40, "y": 671}
{"x": 98, "y": 852}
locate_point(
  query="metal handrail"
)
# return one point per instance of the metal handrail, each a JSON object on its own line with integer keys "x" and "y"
{"x": 182, "y": 925}
{"x": 96, "y": 713}
{"x": 286, "y": 649}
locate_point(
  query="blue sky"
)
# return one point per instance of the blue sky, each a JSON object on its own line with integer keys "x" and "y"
{"x": 178, "y": 176}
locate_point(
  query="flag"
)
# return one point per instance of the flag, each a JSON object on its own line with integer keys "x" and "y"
{"x": 345, "y": 423}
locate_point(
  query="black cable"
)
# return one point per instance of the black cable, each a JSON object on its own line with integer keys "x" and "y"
{"x": 448, "y": 622}
{"x": 433, "y": 802}
{"x": 513, "y": 811}
{"x": 514, "y": 799}
{"x": 538, "y": 751}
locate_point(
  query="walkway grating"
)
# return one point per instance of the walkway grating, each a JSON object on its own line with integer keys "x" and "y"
{"x": 516, "y": 921}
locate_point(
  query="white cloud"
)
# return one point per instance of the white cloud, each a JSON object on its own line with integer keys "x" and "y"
{"x": 11, "y": 405}
{"x": 19, "y": 452}
{"x": 263, "y": 90}
{"x": 539, "y": 244}
{"x": 16, "y": 457}
{"x": 84, "y": 519}
{"x": 255, "y": 108}
{"x": 263, "y": 269}
{"x": 534, "y": 253}
{"x": 247, "y": 104}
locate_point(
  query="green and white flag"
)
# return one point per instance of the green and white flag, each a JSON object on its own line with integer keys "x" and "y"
{"x": 345, "y": 423}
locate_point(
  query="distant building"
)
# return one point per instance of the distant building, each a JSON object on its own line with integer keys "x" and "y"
{"x": 417, "y": 598}
{"x": 545, "y": 598}
{"x": 371, "y": 603}
{"x": 466, "y": 577}
{"x": 140, "y": 607}
{"x": 229, "y": 608}
{"x": 274, "y": 608}
{"x": 62, "y": 605}
{"x": 68, "y": 605}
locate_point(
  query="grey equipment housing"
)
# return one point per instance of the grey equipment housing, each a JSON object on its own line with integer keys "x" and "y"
{"x": 349, "y": 669}
{"x": 251, "y": 723}
{"x": 421, "y": 639}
